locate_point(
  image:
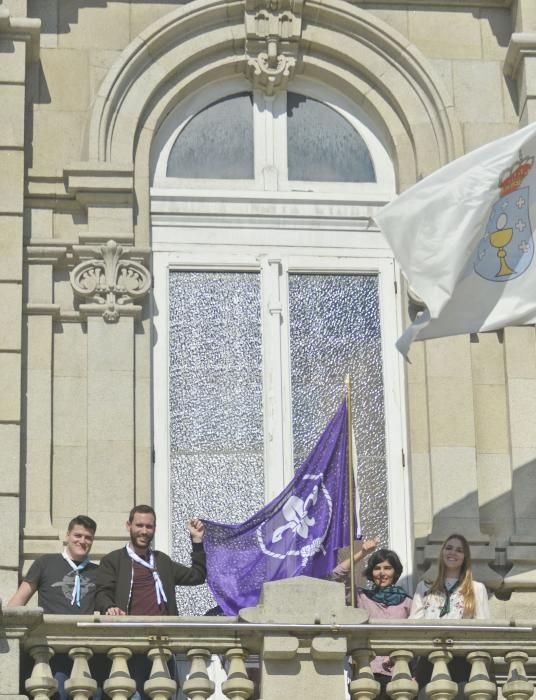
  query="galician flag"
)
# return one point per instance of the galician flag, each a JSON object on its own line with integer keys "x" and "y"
{"x": 298, "y": 533}
{"x": 464, "y": 239}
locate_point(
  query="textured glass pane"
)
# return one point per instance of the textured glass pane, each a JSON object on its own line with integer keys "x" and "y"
{"x": 335, "y": 329}
{"x": 322, "y": 145}
{"x": 215, "y": 401}
{"x": 217, "y": 142}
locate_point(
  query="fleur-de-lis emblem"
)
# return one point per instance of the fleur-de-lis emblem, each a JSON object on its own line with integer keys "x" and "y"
{"x": 296, "y": 513}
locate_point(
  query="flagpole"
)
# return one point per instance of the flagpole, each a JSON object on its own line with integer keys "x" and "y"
{"x": 351, "y": 496}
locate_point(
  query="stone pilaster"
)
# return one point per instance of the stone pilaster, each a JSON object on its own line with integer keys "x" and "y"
{"x": 40, "y": 311}
{"x": 453, "y": 455}
{"x": 109, "y": 279}
{"x": 18, "y": 46}
{"x": 520, "y": 362}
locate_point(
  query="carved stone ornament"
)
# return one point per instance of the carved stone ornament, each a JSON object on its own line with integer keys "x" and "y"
{"x": 114, "y": 281}
{"x": 273, "y": 31}
{"x": 271, "y": 72}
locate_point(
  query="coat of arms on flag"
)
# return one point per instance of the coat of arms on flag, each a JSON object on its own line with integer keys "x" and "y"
{"x": 507, "y": 248}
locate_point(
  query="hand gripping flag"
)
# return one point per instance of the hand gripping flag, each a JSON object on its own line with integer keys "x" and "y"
{"x": 464, "y": 240}
{"x": 298, "y": 533}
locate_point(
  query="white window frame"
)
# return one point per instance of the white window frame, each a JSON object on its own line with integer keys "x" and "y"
{"x": 275, "y": 265}
{"x": 277, "y": 229}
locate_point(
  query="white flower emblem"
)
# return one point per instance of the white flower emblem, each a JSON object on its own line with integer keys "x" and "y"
{"x": 296, "y": 513}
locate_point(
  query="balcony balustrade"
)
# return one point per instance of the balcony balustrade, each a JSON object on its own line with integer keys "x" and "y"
{"x": 304, "y": 640}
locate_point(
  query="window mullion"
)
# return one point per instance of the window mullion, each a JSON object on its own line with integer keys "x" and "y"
{"x": 276, "y": 442}
{"x": 269, "y": 169}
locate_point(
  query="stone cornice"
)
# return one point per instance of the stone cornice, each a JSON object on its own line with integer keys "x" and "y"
{"x": 522, "y": 45}
{"x": 44, "y": 185}
{"x": 21, "y": 29}
{"x": 100, "y": 183}
{"x": 44, "y": 253}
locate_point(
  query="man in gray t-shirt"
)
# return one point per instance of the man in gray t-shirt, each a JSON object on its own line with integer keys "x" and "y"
{"x": 65, "y": 585}
{"x": 55, "y": 580}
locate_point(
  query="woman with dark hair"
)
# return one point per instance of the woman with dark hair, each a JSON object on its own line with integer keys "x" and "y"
{"x": 452, "y": 595}
{"x": 384, "y": 599}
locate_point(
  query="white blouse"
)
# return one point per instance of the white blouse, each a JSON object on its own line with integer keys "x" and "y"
{"x": 428, "y": 606}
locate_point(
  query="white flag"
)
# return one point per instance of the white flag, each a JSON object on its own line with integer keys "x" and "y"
{"x": 464, "y": 239}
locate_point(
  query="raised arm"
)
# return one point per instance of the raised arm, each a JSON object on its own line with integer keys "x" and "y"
{"x": 367, "y": 547}
{"x": 196, "y": 528}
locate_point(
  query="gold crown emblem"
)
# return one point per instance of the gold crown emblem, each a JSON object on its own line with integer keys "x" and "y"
{"x": 511, "y": 178}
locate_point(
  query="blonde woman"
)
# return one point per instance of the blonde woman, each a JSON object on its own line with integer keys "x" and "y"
{"x": 453, "y": 595}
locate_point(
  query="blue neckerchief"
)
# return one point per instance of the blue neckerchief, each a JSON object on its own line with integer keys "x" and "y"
{"x": 448, "y": 593}
{"x": 388, "y": 595}
{"x": 77, "y": 567}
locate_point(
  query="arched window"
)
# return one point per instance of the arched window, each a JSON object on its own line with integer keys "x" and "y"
{"x": 271, "y": 282}
{"x": 294, "y": 141}
{"x": 216, "y": 142}
{"x": 322, "y": 145}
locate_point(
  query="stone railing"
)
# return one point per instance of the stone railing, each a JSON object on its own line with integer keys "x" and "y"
{"x": 297, "y": 643}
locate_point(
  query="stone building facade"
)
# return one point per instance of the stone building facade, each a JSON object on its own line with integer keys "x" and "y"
{"x": 93, "y": 95}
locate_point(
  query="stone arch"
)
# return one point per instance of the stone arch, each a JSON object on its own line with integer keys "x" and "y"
{"x": 340, "y": 44}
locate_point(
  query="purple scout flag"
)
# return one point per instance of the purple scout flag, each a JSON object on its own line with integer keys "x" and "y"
{"x": 297, "y": 534}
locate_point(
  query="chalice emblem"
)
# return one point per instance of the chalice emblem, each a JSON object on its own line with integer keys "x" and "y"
{"x": 506, "y": 249}
{"x": 500, "y": 239}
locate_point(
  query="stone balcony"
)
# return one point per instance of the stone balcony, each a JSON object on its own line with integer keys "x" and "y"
{"x": 297, "y": 643}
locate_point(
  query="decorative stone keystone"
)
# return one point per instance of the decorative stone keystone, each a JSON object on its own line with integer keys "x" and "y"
{"x": 160, "y": 686}
{"x": 80, "y": 685}
{"x": 41, "y": 685}
{"x": 237, "y": 685}
{"x": 273, "y": 31}
{"x": 112, "y": 282}
{"x": 198, "y": 685}
{"x": 119, "y": 686}
{"x": 403, "y": 686}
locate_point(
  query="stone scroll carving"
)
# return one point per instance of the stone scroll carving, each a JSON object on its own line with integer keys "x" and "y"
{"x": 273, "y": 31}
{"x": 112, "y": 281}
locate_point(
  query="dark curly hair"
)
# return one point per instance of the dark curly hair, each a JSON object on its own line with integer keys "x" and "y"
{"x": 384, "y": 555}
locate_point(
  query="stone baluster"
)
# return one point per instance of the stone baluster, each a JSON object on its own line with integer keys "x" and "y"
{"x": 517, "y": 687}
{"x": 119, "y": 686}
{"x": 160, "y": 686}
{"x": 479, "y": 686}
{"x": 80, "y": 685}
{"x": 441, "y": 686}
{"x": 403, "y": 686}
{"x": 41, "y": 685}
{"x": 198, "y": 685}
{"x": 237, "y": 685}
{"x": 363, "y": 685}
